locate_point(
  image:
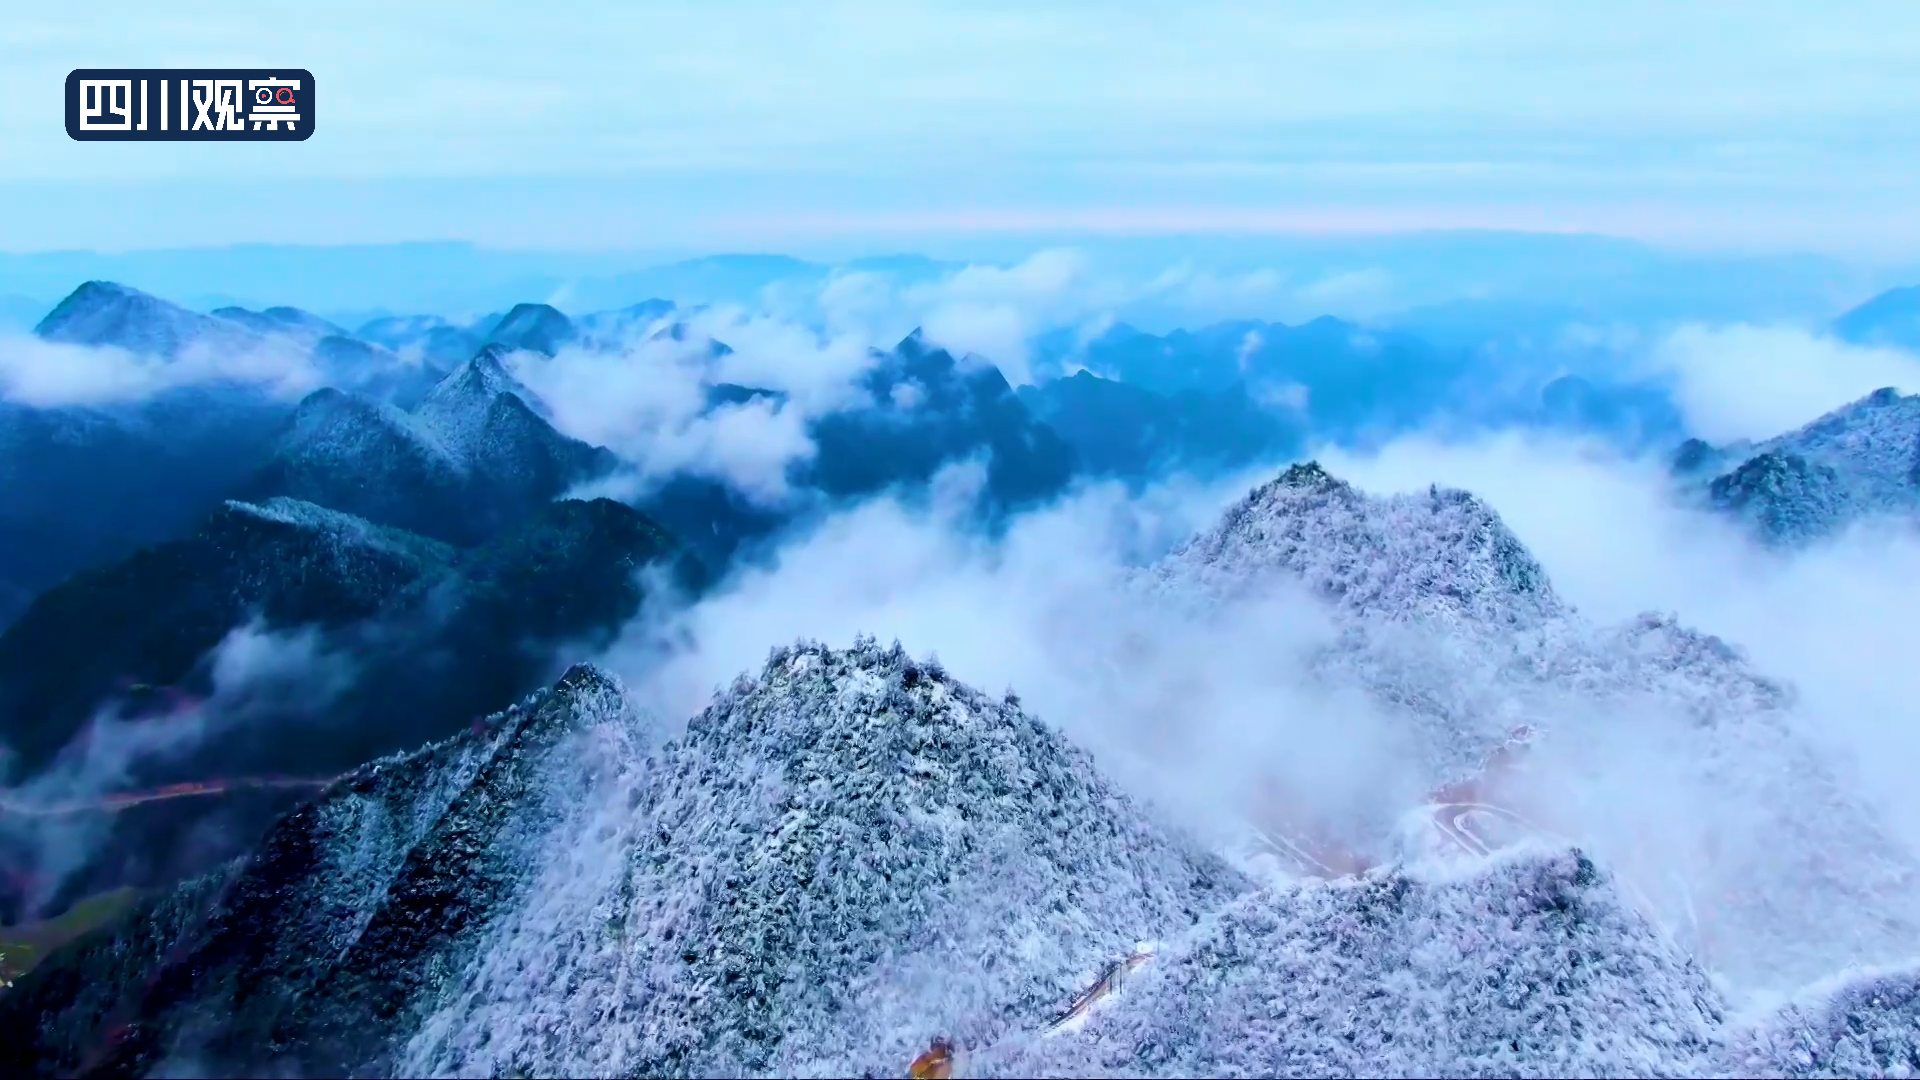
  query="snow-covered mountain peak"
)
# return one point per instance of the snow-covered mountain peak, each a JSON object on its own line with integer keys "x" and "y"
{"x": 845, "y": 856}
{"x": 1786, "y": 499}
{"x": 465, "y": 410}
{"x": 1443, "y": 555}
{"x": 476, "y": 382}
{"x": 1873, "y": 443}
{"x": 842, "y": 857}
{"x": 331, "y": 424}
{"x": 1530, "y": 964}
{"x": 1449, "y": 627}
{"x": 1859, "y": 461}
{"x": 108, "y": 313}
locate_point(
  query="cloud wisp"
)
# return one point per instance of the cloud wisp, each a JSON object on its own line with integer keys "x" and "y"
{"x": 46, "y": 374}
{"x": 53, "y": 824}
{"x": 1751, "y": 382}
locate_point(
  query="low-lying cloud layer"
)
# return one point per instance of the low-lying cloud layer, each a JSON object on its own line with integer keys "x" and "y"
{"x": 647, "y": 397}
{"x": 1752, "y": 382}
{"x": 1206, "y": 712}
{"x": 1196, "y": 710}
{"x": 1834, "y": 620}
{"x": 999, "y": 311}
{"x": 44, "y": 840}
{"x": 46, "y": 374}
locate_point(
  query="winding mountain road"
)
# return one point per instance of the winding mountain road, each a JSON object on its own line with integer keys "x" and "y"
{"x": 117, "y": 801}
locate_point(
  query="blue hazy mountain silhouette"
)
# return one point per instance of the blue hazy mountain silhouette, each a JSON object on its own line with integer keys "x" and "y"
{"x": 1891, "y": 318}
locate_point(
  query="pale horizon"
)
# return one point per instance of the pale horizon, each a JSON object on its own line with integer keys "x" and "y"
{"x": 1715, "y": 127}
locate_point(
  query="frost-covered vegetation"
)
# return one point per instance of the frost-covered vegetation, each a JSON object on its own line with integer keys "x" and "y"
{"x": 1860, "y": 462}
{"x": 850, "y": 852}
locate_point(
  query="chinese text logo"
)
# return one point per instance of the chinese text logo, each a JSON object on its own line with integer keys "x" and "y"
{"x": 238, "y": 105}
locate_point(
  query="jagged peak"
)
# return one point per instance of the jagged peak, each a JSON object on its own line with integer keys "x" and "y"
{"x": 914, "y": 343}
{"x": 582, "y": 680}
{"x": 1444, "y": 552}
{"x": 1310, "y": 475}
{"x": 475, "y": 383}
{"x": 584, "y": 686}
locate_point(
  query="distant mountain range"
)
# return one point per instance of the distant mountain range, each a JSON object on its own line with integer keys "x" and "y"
{"x": 1891, "y": 318}
{"x": 1428, "y": 280}
{"x": 417, "y": 512}
{"x": 1342, "y": 381}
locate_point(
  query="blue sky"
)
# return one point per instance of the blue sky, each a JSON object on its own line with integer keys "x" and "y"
{"x": 721, "y": 125}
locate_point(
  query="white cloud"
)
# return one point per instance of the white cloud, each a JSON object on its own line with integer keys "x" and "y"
{"x": 1194, "y": 711}
{"x": 1754, "y": 382}
{"x": 1834, "y": 621}
{"x": 46, "y": 374}
{"x": 999, "y": 311}
{"x": 749, "y": 445}
{"x": 1202, "y": 710}
{"x": 647, "y": 400}
{"x": 1353, "y": 294}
